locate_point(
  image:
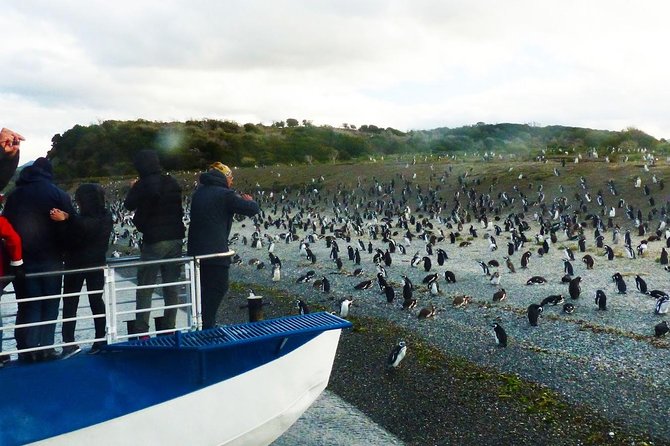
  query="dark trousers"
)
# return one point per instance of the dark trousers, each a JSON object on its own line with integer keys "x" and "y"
{"x": 38, "y": 311}
{"x": 148, "y": 275}
{"x": 95, "y": 280}
{"x": 213, "y": 287}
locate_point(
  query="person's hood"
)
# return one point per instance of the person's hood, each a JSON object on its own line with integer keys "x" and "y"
{"x": 90, "y": 198}
{"x": 39, "y": 170}
{"x": 214, "y": 177}
{"x": 147, "y": 163}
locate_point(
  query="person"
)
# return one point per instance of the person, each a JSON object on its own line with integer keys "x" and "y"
{"x": 156, "y": 200}
{"x": 10, "y": 141}
{"x": 213, "y": 205}
{"x": 88, "y": 234}
{"x": 11, "y": 262}
{"x": 27, "y": 209}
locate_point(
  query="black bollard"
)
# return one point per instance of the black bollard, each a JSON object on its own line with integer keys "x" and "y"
{"x": 255, "y": 305}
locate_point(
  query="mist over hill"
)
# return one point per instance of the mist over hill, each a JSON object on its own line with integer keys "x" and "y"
{"x": 106, "y": 149}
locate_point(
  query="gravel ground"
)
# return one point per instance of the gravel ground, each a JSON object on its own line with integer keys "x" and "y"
{"x": 607, "y": 362}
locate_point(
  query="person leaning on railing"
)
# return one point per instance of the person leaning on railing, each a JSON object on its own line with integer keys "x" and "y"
{"x": 88, "y": 235}
{"x": 11, "y": 263}
{"x": 213, "y": 205}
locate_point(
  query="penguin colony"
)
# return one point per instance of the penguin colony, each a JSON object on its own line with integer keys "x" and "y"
{"x": 416, "y": 248}
{"x": 462, "y": 230}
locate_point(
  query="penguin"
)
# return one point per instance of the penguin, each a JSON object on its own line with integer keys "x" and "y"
{"x": 407, "y": 288}
{"x": 461, "y": 300}
{"x": 609, "y": 252}
{"x": 427, "y": 263}
{"x": 381, "y": 282}
{"x": 495, "y": 278}
{"x": 555, "y": 299}
{"x": 325, "y": 285}
{"x": 309, "y": 275}
{"x": 397, "y": 354}
{"x": 408, "y": 303}
{"x": 509, "y": 264}
{"x": 588, "y": 261}
{"x": 389, "y": 292}
{"x": 574, "y": 288}
{"x": 427, "y": 312}
{"x": 620, "y": 283}
{"x": 302, "y": 307}
{"x": 601, "y": 300}
{"x": 664, "y": 256}
{"x": 276, "y": 272}
{"x": 500, "y": 295}
{"x": 416, "y": 260}
{"x": 568, "y": 308}
{"x": 536, "y": 280}
{"x": 449, "y": 277}
{"x": 661, "y": 329}
{"x": 567, "y": 268}
{"x": 500, "y": 335}
{"x": 485, "y": 268}
{"x": 662, "y": 305}
{"x": 364, "y": 285}
{"x": 641, "y": 284}
{"x": 357, "y": 257}
{"x": 511, "y": 247}
{"x": 345, "y": 306}
{"x": 441, "y": 256}
{"x": 569, "y": 254}
{"x": 582, "y": 244}
{"x": 534, "y": 312}
{"x": 524, "y": 259}
{"x": 434, "y": 287}
{"x": 357, "y": 272}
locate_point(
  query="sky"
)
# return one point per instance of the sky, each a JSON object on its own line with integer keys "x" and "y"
{"x": 409, "y": 65}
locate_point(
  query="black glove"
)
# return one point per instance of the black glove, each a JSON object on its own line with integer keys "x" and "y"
{"x": 19, "y": 281}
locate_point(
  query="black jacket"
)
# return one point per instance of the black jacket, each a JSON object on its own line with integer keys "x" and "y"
{"x": 212, "y": 208}
{"x": 156, "y": 200}
{"x": 90, "y": 230}
{"x": 27, "y": 209}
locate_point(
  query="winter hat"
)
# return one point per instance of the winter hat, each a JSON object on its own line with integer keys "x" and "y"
{"x": 225, "y": 170}
{"x": 43, "y": 164}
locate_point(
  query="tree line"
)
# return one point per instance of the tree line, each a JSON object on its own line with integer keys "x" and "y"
{"x": 107, "y": 148}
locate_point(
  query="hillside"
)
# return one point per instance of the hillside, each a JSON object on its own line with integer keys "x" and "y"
{"x": 106, "y": 149}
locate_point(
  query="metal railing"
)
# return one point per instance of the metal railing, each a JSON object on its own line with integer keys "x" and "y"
{"x": 119, "y": 297}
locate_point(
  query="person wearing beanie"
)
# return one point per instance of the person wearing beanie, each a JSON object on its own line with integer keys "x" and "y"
{"x": 156, "y": 200}
{"x": 213, "y": 205}
{"x": 27, "y": 209}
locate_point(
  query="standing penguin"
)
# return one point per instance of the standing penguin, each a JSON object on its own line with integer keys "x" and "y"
{"x": 449, "y": 277}
{"x": 427, "y": 264}
{"x": 574, "y": 288}
{"x": 397, "y": 354}
{"x": 534, "y": 313}
{"x": 276, "y": 272}
{"x": 524, "y": 259}
{"x": 664, "y": 256}
{"x": 609, "y": 252}
{"x": 441, "y": 256}
{"x": 509, "y": 264}
{"x": 641, "y": 284}
{"x": 588, "y": 261}
{"x": 567, "y": 268}
{"x": 582, "y": 244}
{"x": 389, "y": 292}
{"x": 601, "y": 300}
{"x": 620, "y": 283}
{"x": 345, "y": 306}
{"x": 302, "y": 307}
{"x": 500, "y": 335}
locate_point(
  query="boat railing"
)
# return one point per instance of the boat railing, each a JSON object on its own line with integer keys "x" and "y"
{"x": 119, "y": 297}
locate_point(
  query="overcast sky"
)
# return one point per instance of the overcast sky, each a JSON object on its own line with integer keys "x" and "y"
{"x": 416, "y": 64}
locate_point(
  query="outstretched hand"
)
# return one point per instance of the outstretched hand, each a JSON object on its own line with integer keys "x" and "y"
{"x": 10, "y": 141}
{"x": 247, "y": 197}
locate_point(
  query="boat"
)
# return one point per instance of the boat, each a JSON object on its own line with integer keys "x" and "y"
{"x": 241, "y": 384}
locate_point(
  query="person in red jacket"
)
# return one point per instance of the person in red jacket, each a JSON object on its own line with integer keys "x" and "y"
{"x": 11, "y": 263}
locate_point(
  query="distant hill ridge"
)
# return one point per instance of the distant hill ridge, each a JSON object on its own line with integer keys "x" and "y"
{"x": 106, "y": 149}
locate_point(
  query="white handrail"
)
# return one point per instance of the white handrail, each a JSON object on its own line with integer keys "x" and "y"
{"x": 119, "y": 303}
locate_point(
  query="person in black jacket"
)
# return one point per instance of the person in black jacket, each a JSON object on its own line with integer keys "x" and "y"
{"x": 156, "y": 199}
{"x": 212, "y": 208}
{"x": 27, "y": 209}
{"x": 88, "y": 235}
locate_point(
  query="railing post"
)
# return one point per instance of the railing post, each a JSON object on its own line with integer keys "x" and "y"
{"x": 195, "y": 290}
{"x": 110, "y": 305}
{"x": 255, "y": 305}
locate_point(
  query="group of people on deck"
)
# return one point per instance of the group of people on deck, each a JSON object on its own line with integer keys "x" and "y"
{"x": 42, "y": 232}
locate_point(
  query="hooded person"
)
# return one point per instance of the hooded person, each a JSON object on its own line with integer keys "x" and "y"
{"x": 88, "y": 234}
{"x": 213, "y": 205}
{"x": 156, "y": 200}
{"x": 28, "y": 208}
